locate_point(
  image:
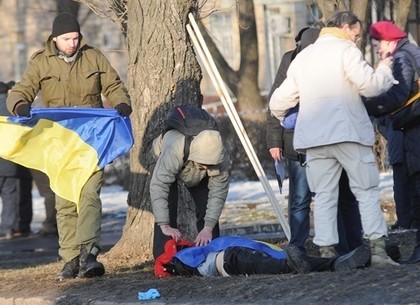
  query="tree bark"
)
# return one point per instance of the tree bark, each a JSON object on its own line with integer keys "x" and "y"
{"x": 403, "y": 9}
{"x": 329, "y": 7}
{"x": 243, "y": 83}
{"x": 163, "y": 71}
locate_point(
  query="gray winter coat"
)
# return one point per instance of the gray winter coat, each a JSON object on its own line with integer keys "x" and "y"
{"x": 206, "y": 148}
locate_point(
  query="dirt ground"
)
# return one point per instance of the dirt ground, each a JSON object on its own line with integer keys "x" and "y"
{"x": 29, "y": 278}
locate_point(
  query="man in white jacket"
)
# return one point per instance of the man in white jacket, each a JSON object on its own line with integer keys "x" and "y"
{"x": 333, "y": 128}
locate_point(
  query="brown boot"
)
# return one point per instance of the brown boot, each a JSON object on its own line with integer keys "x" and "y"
{"x": 327, "y": 252}
{"x": 379, "y": 255}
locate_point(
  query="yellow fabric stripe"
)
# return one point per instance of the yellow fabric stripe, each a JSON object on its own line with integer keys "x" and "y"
{"x": 274, "y": 247}
{"x": 49, "y": 147}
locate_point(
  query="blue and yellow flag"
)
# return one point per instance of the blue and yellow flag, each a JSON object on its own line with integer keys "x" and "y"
{"x": 68, "y": 144}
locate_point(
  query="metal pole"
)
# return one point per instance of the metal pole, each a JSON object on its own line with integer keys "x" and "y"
{"x": 222, "y": 91}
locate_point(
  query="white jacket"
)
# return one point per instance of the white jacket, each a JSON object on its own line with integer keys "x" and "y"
{"x": 328, "y": 78}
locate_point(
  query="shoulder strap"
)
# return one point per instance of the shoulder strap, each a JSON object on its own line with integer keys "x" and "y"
{"x": 416, "y": 96}
{"x": 413, "y": 62}
{"x": 187, "y": 144}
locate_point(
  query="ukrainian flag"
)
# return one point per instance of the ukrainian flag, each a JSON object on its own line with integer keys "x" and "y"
{"x": 68, "y": 144}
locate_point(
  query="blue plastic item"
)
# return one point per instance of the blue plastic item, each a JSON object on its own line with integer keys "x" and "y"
{"x": 150, "y": 294}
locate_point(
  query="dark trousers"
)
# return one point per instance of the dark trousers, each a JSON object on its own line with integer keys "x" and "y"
{"x": 245, "y": 261}
{"x": 199, "y": 195}
{"x": 348, "y": 218}
{"x": 10, "y": 199}
{"x": 415, "y": 200}
{"x": 43, "y": 184}
{"x": 24, "y": 218}
{"x": 402, "y": 196}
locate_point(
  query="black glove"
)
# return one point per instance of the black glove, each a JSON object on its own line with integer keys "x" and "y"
{"x": 124, "y": 109}
{"x": 23, "y": 109}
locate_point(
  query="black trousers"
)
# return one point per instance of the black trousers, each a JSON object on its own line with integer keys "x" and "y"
{"x": 199, "y": 195}
{"x": 245, "y": 261}
{"x": 24, "y": 218}
{"x": 348, "y": 218}
{"x": 43, "y": 184}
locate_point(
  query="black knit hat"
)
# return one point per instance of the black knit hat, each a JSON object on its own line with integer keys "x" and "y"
{"x": 3, "y": 88}
{"x": 65, "y": 23}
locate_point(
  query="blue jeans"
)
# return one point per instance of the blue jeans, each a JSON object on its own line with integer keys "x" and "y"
{"x": 300, "y": 198}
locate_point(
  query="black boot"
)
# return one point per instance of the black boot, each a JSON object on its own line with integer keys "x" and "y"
{"x": 89, "y": 267}
{"x": 70, "y": 270}
{"x": 296, "y": 259}
{"x": 414, "y": 257}
{"x": 303, "y": 263}
{"x": 358, "y": 258}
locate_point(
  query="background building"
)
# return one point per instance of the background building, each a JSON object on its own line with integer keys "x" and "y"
{"x": 25, "y": 26}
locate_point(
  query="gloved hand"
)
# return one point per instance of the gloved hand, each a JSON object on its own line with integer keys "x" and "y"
{"x": 124, "y": 109}
{"x": 23, "y": 109}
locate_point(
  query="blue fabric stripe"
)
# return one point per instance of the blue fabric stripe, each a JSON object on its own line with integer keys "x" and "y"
{"x": 194, "y": 256}
{"x": 91, "y": 126}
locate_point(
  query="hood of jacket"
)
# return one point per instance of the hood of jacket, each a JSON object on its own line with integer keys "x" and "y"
{"x": 207, "y": 148}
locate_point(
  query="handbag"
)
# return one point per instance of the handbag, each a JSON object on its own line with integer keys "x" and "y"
{"x": 408, "y": 115}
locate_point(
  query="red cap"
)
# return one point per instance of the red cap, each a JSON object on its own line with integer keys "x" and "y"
{"x": 386, "y": 30}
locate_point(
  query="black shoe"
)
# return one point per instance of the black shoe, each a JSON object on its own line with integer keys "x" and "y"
{"x": 89, "y": 267}
{"x": 45, "y": 233}
{"x": 296, "y": 259}
{"x": 414, "y": 257}
{"x": 70, "y": 270}
{"x": 415, "y": 225}
{"x": 19, "y": 234}
{"x": 358, "y": 258}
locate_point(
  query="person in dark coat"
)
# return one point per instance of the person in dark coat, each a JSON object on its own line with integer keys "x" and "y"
{"x": 8, "y": 181}
{"x": 280, "y": 145}
{"x": 401, "y": 185}
{"x": 389, "y": 40}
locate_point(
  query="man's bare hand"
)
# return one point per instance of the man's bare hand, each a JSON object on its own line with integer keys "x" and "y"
{"x": 172, "y": 232}
{"x": 275, "y": 153}
{"x": 204, "y": 237}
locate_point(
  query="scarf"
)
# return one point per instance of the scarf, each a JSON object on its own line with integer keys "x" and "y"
{"x": 335, "y": 32}
{"x": 67, "y": 59}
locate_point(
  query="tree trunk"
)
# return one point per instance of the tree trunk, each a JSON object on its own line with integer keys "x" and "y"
{"x": 360, "y": 8}
{"x": 329, "y": 7}
{"x": 163, "y": 71}
{"x": 243, "y": 83}
{"x": 402, "y": 9}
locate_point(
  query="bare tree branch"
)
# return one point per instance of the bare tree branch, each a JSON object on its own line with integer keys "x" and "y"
{"x": 116, "y": 10}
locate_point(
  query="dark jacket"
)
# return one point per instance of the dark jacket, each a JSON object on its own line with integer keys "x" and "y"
{"x": 277, "y": 135}
{"x": 394, "y": 138}
{"x": 7, "y": 168}
{"x": 404, "y": 73}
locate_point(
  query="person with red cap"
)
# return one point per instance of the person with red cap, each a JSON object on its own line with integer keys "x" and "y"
{"x": 328, "y": 80}
{"x": 389, "y": 40}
